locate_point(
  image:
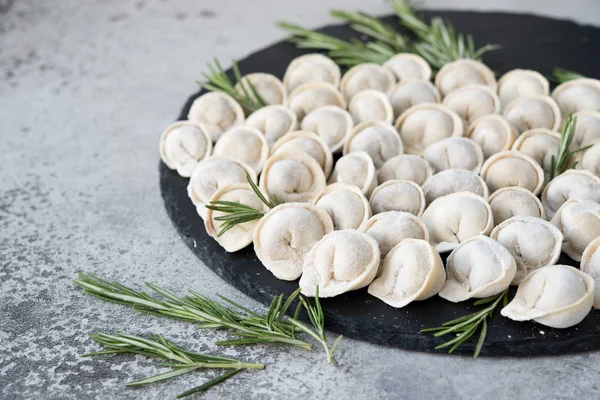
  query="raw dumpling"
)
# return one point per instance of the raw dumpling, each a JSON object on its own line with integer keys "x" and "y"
{"x": 308, "y": 142}
{"x": 512, "y": 168}
{"x": 311, "y": 96}
{"x": 425, "y": 124}
{"x": 341, "y": 261}
{"x": 366, "y": 76}
{"x": 590, "y": 160}
{"x": 530, "y": 112}
{"x": 406, "y": 167}
{"x": 456, "y": 217}
{"x": 578, "y": 95}
{"x": 391, "y": 227}
{"x": 463, "y": 72}
{"x": 579, "y": 222}
{"x": 521, "y": 82}
{"x": 477, "y": 268}
{"x": 571, "y": 184}
{"x": 454, "y": 153}
{"x": 378, "y": 139}
{"x": 183, "y": 145}
{"x": 590, "y": 264}
{"x": 408, "y": 66}
{"x": 311, "y": 68}
{"x": 245, "y": 144}
{"x": 541, "y": 144}
{"x": 408, "y": 93}
{"x": 454, "y": 181}
{"x": 411, "y": 271}
{"x": 273, "y": 121}
{"x": 511, "y": 201}
{"x": 285, "y": 235}
{"x": 356, "y": 169}
{"x": 217, "y": 112}
{"x": 346, "y": 205}
{"x": 533, "y": 242}
{"x": 472, "y": 102}
{"x": 558, "y": 296}
{"x": 587, "y": 129}
{"x": 330, "y": 123}
{"x": 292, "y": 176}
{"x": 371, "y": 105}
{"x": 396, "y": 195}
{"x": 493, "y": 133}
{"x": 269, "y": 88}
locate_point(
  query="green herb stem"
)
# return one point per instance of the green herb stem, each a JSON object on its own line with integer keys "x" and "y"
{"x": 562, "y": 75}
{"x": 563, "y": 160}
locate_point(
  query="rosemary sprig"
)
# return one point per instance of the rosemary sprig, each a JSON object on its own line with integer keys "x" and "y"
{"x": 156, "y": 346}
{"x": 562, "y": 75}
{"x": 464, "y": 327}
{"x": 564, "y": 156}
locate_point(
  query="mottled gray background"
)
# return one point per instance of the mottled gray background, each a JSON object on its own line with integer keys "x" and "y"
{"x": 85, "y": 89}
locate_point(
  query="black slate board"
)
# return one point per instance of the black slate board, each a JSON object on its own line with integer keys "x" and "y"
{"x": 527, "y": 42}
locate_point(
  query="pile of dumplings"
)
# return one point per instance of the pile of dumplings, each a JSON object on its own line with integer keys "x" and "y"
{"x": 380, "y": 170}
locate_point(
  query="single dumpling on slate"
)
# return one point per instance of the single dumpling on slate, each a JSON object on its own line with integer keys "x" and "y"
{"x": 217, "y": 112}
{"x": 463, "y": 72}
{"x": 405, "y": 167}
{"x": 587, "y": 129}
{"x": 356, "y": 169}
{"x": 454, "y": 153}
{"x": 408, "y": 93}
{"x": 371, "y": 105}
{"x": 378, "y": 139}
{"x": 589, "y": 160}
{"x": 245, "y": 144}
{"x": 515, "y": 201}
{"x": 512, "y": 168}
{"x": 330, "y": 123}
{"x": 308, "y": 142}
{"x": 408, "y": 66}
{"x": 541, "y": 144}
{"x": 310, "y": 68}
{"x": 310, "y": 96}
{"x": 579, "y": 222}
{"x": 346, "y": 205}
{"x": 472, "y": 102}
{"x": 183, "y": 145}
{"x": 578, "y": 95}
{"x": 270, "y": 89}
{"x": 571, "y": 184}
{"x": 590, "y": 264}
{"x": 273, "y": 121}
{"x": 531, "y": 112}
{"x": 366, "y": 76}
{"x": 454, "y": 181}
{"x": 493, "y": 133}
{"x": 397, "y": 195}
{"x": 521, "y": 82}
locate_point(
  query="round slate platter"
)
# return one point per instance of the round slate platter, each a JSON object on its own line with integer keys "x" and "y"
{"x": 527, "y": 42}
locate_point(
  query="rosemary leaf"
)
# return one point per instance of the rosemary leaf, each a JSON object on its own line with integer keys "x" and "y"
{"x": 374, "y": 28}
{"x": 564, "y": 155}
{"x": 562, "y": 75}
{"x": 204, "y": 387}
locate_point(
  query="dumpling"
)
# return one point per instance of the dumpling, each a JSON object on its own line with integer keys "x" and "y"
{"x": 408, "y": 66}
{"x": 453, "y": 181}
{"x": 456, "y": 217}
{"x": 578, "y": 95}
{"x": 391, "y": 227}
{"x": 346, "y": 205}
{"x": 292, "y": 176}
{"x": 330, "y": 123}
{"x": 541, "y": 144}
{"x": 425, "y": 124}
{"x": 590, "y": 160}
{"x": 378, "y": 139}
{"x": 530, "y": 112}
{"x": 493, "y": 133}
{"x": 558, "y": 296}
{"x": 269, "y": 88}
{"x": 477, "y": 268}
{"x": 356, "y": 169}
{"x": 285, "y": 235}
{"x": 311, "y": 96}
{"x": 533, "y": 242}
{"x": 590, "y": 264}
{"x": 308, "y": 142}
{"x": 311, "y": 68}
{"x": 183, "y": 145}
{"x": 217, "y": 112}
{"x": 408, "y": 93}
{"x": 472, "y": 102}
{"x": 366, "y": 76}
{"x": 411, "y": 271}
{"x": 571, "y": 184}
{"x": 521, "y": 82}
{"x": 512, "y": 168}
{"x": 406, "y": 167}
{"x": 512, "y": 201}
{"x": 464, "y": 72}
{"x": 396, "y": 195}
{"x": 341, "y": 261}
{"x": 454, "y": 153}
{"x": 273, "y": 121}
{"x": 579, "y": 222}
{"x": 587, "y": 129}
{"x": 245, "y": 144}
{"x": 371, "y": 105}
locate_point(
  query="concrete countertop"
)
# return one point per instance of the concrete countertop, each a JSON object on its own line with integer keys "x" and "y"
{"x": 85, "y": 90}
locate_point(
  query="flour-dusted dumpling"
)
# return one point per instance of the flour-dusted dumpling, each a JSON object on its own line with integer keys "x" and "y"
{"x": 411, "y": 271}
{"x": 472, "y": 102}
{"x": 477, "y": 268}
{"x": 391, "y": 227}
{"x": 292, "y": 176}
{"x": 406, "y": 167}
{"x": 285, "y": 235}
{"x": 408, "y": 93}
{"x": 453, "y": 181}
{"x": 493, "y": 133}
{"x": 589, "y": 160}
{"x": 341, "y": 261}
{"x": 246, "y": 144}
{"x": 530, "y": 112}
{"x": 240, "y": 235}
{"x": 521, "y": 82}
{"x": 587, "y": 129}
{"x": 425, "y": 124}
{"x": 356, "y": 169}
{"x": 511, "y": 201}
{"x": 590, "y": 264}
{"x": 454, "y": 153}
{"x": 378, "y": 139}
{"x": 346, "y": 205}
{"x": 579, "y": 222}
{"x": 183, "y": 145}
{"x": 512, "y": 168}
{"x": 308, "y": 142}
{"x": 311, "y": 96}
{"x": 366, "y": 76}
{"x": 397, "y": 195}
{"x": 533, "y": 242}
{"x": 269, "y": 88}
{"x": 273, "y": 121}
{"x": 463, "y": 72}
{"x": 456, "y": 217}
{"x": 408, "y": 66}
{"x": 541, "y": 144}
{"x": 578, "y": 95}
{"x": 311, "y": 68}
{"x": 558, "y": 296}
{"x": 331, "y": 123}
{"x": 217, "y": 112}
{"x": 571, "y": 184}
{"x": 371, "y": 105}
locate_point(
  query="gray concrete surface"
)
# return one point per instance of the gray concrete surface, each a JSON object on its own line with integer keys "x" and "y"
{"x": 85, "y": 89}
